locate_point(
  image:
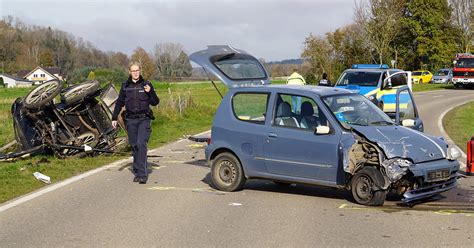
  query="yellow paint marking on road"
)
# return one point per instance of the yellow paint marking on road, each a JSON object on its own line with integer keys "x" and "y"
{"x": 466, "y": 213}
{"x": 345, "y": 206}
{"x": 196, "y": 145}
{"x": 158, "y": 167}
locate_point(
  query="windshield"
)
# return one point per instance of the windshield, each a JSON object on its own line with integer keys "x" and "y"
{"x": 465, "y": 63}
{"x": 442, "y": 73}
{"x": 361, "y": 78}
{"x": 355, "y": 109}
{"x": 416, "y": 73}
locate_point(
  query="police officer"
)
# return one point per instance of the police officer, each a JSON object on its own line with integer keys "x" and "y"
{"x": 137, "y": 95}
{"x": 325, "y": 81}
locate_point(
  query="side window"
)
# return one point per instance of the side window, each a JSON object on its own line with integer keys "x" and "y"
{"x": 298, "y": 112}
{"x": 250, "y": 107}
{"x": 407, "y": 109}
{"x": 399, "y": 80}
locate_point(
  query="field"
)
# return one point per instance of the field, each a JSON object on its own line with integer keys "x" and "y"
{"x": 458, "y": 124}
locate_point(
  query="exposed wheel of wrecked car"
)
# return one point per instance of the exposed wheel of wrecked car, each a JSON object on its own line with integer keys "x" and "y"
{"x": 43, "y": 94}
{"x": 78, "y": 92}
{"x": 366, "y": 187}
{"x": 227, "y": 173}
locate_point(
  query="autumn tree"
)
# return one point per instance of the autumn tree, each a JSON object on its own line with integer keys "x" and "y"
{"x": 148, "y": 69}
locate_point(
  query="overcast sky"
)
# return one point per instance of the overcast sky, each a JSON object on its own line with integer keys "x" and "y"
{"x": 273, "y": 30}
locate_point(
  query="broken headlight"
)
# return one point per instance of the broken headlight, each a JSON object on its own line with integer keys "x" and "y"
{"x": 396, "y": 168}
{"x": 453, "y": 153}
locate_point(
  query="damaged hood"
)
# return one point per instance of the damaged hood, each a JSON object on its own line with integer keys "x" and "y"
{"x": 399, "y": 141}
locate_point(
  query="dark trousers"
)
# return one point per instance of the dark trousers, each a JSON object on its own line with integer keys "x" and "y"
{"x": 138, "y": 134}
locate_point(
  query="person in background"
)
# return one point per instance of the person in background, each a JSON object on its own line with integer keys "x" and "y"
{"x": 137, "y": 94}
{"x": 325, "y": 81}
{"x": 295, "y": 79}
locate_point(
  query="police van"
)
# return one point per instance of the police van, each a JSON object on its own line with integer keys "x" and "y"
{"x": 380, "y": 84}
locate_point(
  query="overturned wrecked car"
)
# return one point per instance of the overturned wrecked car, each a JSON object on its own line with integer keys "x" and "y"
{"x": 332, "y": 137}
{"x": 65, "y": 121}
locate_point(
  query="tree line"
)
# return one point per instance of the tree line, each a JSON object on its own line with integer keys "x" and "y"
{"x": 23, "y": 47}
{"x": 413, "y": 34}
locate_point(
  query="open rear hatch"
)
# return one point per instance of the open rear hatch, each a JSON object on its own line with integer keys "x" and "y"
{"x": 233, "y": 67}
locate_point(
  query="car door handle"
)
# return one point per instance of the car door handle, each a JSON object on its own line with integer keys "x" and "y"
{"x": 272, "y": 135}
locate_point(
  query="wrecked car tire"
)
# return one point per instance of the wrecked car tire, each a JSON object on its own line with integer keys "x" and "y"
{"x": 79, "y": 92}
{"x": 43, "y": 94}
{"x": 227, "y": 173}
{"x": 366, "y": 187}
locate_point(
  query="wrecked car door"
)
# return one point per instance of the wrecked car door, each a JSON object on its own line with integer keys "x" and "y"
{"x": 406, "y": 111}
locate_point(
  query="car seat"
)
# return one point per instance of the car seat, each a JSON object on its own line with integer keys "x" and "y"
{"x": 283, "y": 116}
{"x": 308, "y": 119}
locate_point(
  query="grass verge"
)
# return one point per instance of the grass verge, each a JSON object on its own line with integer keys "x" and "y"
{"x": 458, "y": 123}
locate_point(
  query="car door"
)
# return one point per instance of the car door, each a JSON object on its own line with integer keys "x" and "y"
{"x": 294, "y": 150}
{"x": 407, "y": 113}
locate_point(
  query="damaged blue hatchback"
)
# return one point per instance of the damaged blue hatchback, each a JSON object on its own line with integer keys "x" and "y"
{"x": 318, "y": 136}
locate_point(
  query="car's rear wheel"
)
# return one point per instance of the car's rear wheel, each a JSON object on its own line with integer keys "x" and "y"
{"x": 79, "y": 92}
{"x": 227, "y": 173}
{"x": 43, "y": 94}
{"x": 366, "y": 187}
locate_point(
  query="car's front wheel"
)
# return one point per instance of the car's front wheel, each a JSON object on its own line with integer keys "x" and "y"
{"x": 227, "y": 173}
{"x": 366, "y": 186}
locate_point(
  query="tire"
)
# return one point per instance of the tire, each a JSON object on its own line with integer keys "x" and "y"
{"x": 227, "y": 173}
{"x": 79, "y": 92}
{"x": 87, "y": 138}
{"x": 366, "y": 187}
{"x": 43, "y": 94}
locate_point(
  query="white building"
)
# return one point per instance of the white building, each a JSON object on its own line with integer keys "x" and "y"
{"x": 40, "y": 75}
{"x": 11, "y": 81}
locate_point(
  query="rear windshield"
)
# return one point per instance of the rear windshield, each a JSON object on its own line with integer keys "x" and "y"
{"x": 442, "y": 73}
{"x": 360, "y": 78}
{"x": 240, "y": 67}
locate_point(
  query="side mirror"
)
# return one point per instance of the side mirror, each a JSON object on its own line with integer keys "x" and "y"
{"x": 454, "y": 62}
{"x": 408, "y": 123}
{"x": 320, "y": 130}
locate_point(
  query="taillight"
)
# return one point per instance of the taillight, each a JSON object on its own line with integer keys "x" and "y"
{"x": 208, "y": 141}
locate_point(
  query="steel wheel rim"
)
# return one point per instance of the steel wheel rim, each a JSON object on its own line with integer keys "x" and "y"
{"x": 363, "y": 188}
{"x": 227, "y": 171}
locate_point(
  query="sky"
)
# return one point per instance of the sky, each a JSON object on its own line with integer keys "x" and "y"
{"x": 269, "y": 29}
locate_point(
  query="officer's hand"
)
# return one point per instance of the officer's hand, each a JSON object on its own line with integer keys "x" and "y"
{"x": 147, "y": 88}
{"x": 114, "y": 124}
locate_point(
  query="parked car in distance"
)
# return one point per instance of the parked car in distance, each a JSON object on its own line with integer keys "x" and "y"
{"x": 442, "y": 76}
{"x": 421, "y": 77}
{"x": 339, "y": 138}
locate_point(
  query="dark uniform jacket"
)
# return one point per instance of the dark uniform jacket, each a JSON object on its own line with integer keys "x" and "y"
{"x": 134, "y": 98}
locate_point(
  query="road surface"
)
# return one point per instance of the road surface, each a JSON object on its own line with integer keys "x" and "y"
{"x": 177, "y": 208}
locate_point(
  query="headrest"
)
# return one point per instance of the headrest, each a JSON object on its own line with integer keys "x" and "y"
{"x": 284, "y": 110}
{"x": 307, "y": 109}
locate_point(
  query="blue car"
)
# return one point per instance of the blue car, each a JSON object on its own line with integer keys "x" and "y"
{"x": 339, "y": 138}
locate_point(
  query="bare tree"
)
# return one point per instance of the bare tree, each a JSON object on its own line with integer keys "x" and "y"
{"x": 380, "y": 19}
{"x": 463, "y": 18}
{"x": 171, "y": 61}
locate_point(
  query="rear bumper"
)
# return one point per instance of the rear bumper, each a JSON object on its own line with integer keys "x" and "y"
{"x": 432, "y": 190}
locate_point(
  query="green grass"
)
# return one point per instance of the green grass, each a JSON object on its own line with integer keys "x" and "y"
{"x": 429, "y": 87}
{"x": 459, "y": 124}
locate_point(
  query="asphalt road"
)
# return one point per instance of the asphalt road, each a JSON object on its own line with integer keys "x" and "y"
{"x": 177, "y": 208}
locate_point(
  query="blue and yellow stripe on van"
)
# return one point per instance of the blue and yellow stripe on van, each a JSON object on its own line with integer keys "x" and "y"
{"x": 387, "y": 97}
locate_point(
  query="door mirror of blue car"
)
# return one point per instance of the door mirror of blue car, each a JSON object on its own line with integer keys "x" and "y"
{"x": 321, "y": 130}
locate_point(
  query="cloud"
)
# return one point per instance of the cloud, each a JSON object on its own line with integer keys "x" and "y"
{"x": 273, "y": 30}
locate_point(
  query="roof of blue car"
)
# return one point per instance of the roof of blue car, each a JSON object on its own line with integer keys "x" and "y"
{"x": 320, "y": 90}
